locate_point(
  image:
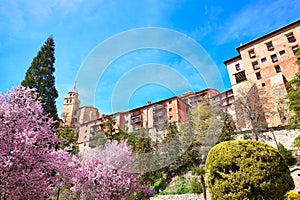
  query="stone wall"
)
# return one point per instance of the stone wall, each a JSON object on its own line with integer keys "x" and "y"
{"x": 285, "y": 137}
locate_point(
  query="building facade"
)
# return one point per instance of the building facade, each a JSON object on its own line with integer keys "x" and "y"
{"x": 153, "y": 117}
{"x": 258, "y": 76}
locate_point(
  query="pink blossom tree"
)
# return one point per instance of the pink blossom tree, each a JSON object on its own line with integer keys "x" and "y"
{"x": 30, "y": 167}
{"x": 107, "y": 173}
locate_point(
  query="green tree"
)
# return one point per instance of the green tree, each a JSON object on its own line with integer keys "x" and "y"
{"x": 40, "y": 76}
{"x": 293, "y": 88}
{"x": 201, "y": 130}
{"x": 68, "y": 139}
{"x": 110, "y": 127}
{"x": 247, "y": 169}
{"x": 228, "y": 129}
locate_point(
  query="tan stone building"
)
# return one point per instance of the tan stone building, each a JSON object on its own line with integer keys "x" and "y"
{"x": 153, "y": 117}
{"x": 258, "y": 76}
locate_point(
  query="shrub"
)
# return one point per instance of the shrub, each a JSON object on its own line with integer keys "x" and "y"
{"x": 286, "y": 154}
{"x": 196, "y": 186}
{"x": 296, "y": 142}
{"x": 292, "y": 195}
{"x": 246, "y": 169}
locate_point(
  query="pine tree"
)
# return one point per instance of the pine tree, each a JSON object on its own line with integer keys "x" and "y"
{"x": 40, "y": 76}
{"x": 228, "y": 129}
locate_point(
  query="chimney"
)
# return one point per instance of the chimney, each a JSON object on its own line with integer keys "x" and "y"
{"x": 148, "y": 103}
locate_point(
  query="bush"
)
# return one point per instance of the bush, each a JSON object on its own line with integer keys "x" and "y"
{"x": 292, "y": 195}
{"x": 286, "y": 154}
{"x": 196, "y": 186}
{"x": 246, "y": 169}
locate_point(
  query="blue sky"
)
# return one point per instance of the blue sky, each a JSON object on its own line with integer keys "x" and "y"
{"x": 80, "y": 27}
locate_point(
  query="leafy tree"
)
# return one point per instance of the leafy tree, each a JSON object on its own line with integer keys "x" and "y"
{"x": 40, "y": 76}
{"x": 201, "y": 131}
{"x": 68, "y": 140}
{"x": 30, "y": 167}
{"x": 247, "y": 169}
{"x": 107, "y": 173}
{"x": 293, "y": 88}
{"x": 110, "y": 127}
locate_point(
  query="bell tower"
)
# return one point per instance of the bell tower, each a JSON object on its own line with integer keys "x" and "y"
{"x": 71, "y": 104}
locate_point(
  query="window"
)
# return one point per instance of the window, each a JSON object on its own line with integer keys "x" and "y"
{"x": 238, "y": 67}
{"x": 252, "y": 53}
{"x": 170, "y": 109}
{"x": 171, "y": 117}
{"x": 258, "y": 75}
{"x": 263, "y": 84}
{"x": 270, "y": 46}
{"x": 274, "y": 58}
{"x": 294, "y": 48}
{"x": 277, "y": 69}
{"x": 241, "y": 76}
{"x": 170, "y": 102}
{"x": 264, "y": 60}
{"x": 290, "y": 37}
{"x": 255, "y": 65}
{"x": 281, "y": 52}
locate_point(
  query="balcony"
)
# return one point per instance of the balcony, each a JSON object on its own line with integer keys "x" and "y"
{"x": 135, "y": 113}
{"x": 136, "y": 119}
{"x": 158, "y": 107}
{"x": 160, "y": 122}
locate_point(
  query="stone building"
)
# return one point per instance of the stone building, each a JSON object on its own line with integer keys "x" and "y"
{"x": 258, "y": 76}
{"x": 153, "y": 117}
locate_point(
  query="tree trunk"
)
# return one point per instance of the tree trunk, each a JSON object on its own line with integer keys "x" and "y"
{"x": 203, "y": 186}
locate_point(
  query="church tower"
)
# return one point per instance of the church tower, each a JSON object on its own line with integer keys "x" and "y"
{"x": 71, "y": 104}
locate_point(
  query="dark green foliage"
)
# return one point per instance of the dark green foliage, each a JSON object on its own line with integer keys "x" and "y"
{"x": 180, "y": 187}
{"x": 246, "y": 169}
{"x": 196, "y": 186}
{"x": 109, "y": 125}
{"x": 98, "y": 140}
{"x": 228, "y": 130}
{"x": 286, "y": 154}
{"x": 293, "y": 88}
{"x": 198, "y": 171}
{"x": 68, "y": 139}
{"x": 40, "y": 76}
{"x": 296, "y": 142}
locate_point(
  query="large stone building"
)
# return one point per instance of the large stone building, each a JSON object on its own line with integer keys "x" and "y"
{"x": 258, "y": 76}
{"x": 153, "y": 117}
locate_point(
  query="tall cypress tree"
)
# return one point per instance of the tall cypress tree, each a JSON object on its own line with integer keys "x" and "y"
{"x": 40, "y": 76}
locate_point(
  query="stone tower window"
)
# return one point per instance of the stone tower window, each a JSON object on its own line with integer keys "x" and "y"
{"x": 263, "y": 60}
{"x": 255, "y": 65}
{"x": 252, "y": 53}
{"x": 270, "y": 46}
{"x": 277, "y": 69}
{"x": 274, "y": 58}
{"x": 238, "y": 67}
{"x": 290, "y": 37}
{"x": 258, "y": 75}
